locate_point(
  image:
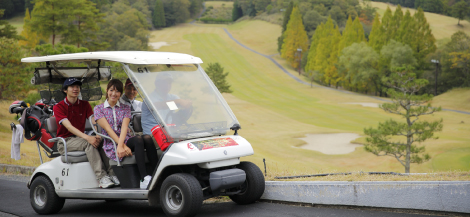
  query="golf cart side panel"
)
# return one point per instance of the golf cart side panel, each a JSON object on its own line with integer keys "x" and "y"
{"x": 184, "y": 153}
{"x": 68, "y": 176}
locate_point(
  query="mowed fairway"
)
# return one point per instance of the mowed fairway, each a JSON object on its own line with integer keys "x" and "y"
{"x": 274, "y": 109}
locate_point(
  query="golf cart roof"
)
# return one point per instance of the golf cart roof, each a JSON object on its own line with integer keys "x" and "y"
{"x": 131, "y": 57}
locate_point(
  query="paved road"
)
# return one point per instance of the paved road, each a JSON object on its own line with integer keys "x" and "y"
{"x": 14, "y": 201}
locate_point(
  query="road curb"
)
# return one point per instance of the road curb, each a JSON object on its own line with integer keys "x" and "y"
{"x": 7, "y": 168}
{"x": 448, "y": 196}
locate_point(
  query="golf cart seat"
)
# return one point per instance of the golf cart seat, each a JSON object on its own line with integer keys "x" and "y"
{"x": 72, "y": 157}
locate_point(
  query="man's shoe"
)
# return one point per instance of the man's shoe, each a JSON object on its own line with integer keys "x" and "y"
{"x": 144, "y": 183}
{"x": 115, "y": 180}
{"x": 106, "y": 182}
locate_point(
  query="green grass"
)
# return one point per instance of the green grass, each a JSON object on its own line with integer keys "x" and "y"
{"x": 457, "y": 99}
{"x": 442, "y": 26}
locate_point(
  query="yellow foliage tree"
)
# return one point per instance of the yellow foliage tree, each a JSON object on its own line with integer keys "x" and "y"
{"x": 326, "y": 55}
{"x": 295, "y": 37}
{"x": 32, "y": 38}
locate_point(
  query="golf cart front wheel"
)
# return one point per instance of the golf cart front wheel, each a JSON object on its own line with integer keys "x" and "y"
{"x": 43, "y": 198}
{"x": 181, "y": 195}
{"x": 253, "y": 187}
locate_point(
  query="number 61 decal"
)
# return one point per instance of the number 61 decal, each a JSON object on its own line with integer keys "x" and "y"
{"x": 65, "y": 172}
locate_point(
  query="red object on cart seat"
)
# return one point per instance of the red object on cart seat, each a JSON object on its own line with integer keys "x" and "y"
{"x": 45, "y": 138}
{"x": 160, "y": 137}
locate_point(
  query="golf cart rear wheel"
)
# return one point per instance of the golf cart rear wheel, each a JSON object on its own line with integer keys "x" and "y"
{"x": 181, "y": 195}
{"x": 43, "y": 198}
{"x": 253, "y": 187}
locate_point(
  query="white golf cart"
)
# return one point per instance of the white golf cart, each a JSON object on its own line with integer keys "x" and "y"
{"x": 202, "y": 161}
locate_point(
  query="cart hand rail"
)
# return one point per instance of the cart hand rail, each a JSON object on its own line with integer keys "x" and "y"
{"x": 106, "y": 137}
{"x": 65, "y": 146}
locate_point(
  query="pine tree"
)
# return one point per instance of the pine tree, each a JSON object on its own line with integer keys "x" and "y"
{"x": 159, "y": 15}
{"x": 384, "y": 140}
{"x": 295, "y": 37}
{"x": 6, "y": 29}
{"x": 216, "y": 72}
{"x": 236, "y": 11}
{"x": 50, "y": 17}
{"x": 82, "y": 19}
{"x": 376, "y": 37}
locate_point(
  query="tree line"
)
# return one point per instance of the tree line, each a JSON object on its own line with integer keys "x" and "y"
{"x": 353, "y": 60}
{"x": 456, "y": 8}
{"x": 98, "y": 24}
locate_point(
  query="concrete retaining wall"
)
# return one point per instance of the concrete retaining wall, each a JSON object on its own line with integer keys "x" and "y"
{"x": 16, "y": 169}
{"x": 450, "y": 196}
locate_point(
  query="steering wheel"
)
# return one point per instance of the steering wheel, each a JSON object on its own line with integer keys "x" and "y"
{"x": 181, "y": 117}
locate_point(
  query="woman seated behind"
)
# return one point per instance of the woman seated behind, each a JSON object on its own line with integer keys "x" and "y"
{"x": 114, "y": 118}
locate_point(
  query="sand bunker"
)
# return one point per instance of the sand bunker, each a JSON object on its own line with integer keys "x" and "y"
{"x": 336, "y": 143}
{"x": 365, "y": 104}
{"x": 158, "y": 45}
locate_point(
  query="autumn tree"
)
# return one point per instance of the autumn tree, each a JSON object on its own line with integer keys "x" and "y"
{"x": 216, "y": 73}
{"x": 423, "y": 41}
{"x": 31, "y": 39}
{"x": 158, "y": 15}
{"x": 285, "y": 21}
{"x": 323, "y": 60}
{"x": 352, "y": 33}
{"x": 295, "y": 37}
{"x": 376, "y": 37}
{"x": 398, "y": 139}
{"x": 312, "y": 52}
{"x": 460, "y": 57}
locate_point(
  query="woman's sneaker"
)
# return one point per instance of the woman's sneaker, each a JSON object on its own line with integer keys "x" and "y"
{"x": 115, "y": 180}
{"x": 106, "y": 182}
{"x": 144, "y": 183}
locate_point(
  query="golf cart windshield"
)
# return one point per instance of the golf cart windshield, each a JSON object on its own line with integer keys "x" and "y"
{"x": 183, "y": 99}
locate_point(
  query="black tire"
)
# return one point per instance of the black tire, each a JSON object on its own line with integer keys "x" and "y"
{"x": 43, "y": 198}
{"x": 253, "y": 187}
{"x": 181, "y": 195}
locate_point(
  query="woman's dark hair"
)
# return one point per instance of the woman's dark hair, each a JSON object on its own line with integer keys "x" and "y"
{"x": 116, "y": 84}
